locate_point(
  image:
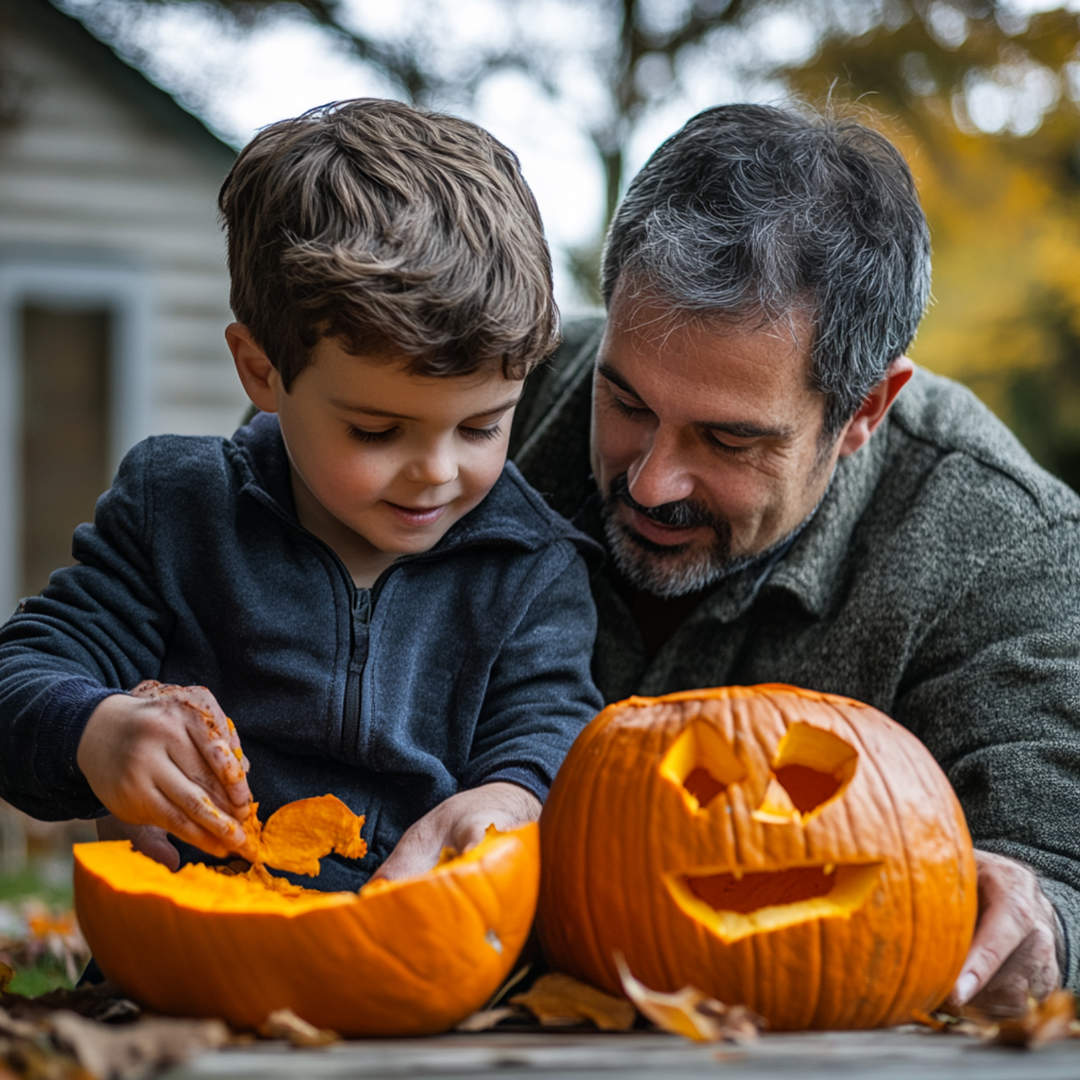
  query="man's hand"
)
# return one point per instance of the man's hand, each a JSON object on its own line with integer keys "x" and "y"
{"x": 1015, "y": 949}
{"x": 168, "y": 757}
{"x": 459, "y": 822}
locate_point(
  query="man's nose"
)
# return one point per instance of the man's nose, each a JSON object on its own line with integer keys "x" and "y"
{"x": 659, "y": 474}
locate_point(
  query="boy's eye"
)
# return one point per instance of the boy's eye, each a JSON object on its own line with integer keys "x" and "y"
{"x": 481, "y": 433}
{"x": 363, "y": 435}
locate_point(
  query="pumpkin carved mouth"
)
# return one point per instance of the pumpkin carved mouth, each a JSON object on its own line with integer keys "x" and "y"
{"x": 735, "y": 905}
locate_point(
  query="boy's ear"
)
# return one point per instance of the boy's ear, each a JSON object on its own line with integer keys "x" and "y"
{"x": 875, "y": 405}
{"x": 259, "y": 377}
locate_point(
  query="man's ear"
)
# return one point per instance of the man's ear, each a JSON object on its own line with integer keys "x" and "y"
{"x": 259, "y": 377}
{"x": 875, "y": 405}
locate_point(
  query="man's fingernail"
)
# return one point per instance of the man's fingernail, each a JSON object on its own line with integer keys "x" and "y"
{"x": 965, "y": 987}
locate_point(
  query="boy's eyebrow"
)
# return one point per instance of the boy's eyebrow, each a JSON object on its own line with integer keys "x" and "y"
{"x": 368, "y": 410}
{"x": 741, "y": 429}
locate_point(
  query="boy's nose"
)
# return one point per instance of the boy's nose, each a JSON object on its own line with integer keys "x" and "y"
{"x": 433, "y": 468}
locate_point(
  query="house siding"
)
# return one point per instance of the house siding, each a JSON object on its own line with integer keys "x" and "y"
{"x": 87, "y": 173}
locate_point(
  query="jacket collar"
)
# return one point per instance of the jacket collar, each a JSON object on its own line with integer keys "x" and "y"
{"x": 812, "y": 569}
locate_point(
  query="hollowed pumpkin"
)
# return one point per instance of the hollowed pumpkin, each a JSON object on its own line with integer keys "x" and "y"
{"x": 796, "y": 852}
{"x": 397, "y": 958}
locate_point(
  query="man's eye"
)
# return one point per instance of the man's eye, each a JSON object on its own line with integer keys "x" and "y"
{"x": 725, "y": 447}
{"x": 627, "y": 408}
{"x": 363, "y": 435}
{"x": 479, "y": 434}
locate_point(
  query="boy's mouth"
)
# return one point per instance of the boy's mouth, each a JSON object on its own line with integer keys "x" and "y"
{"x": 417, "y": 515}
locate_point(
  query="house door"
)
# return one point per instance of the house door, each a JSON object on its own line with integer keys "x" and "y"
{"x": 64, "y": 443}
{"x": 74, "y": 368}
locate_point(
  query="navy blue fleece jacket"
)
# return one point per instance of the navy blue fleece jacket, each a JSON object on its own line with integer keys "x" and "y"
{"x": 462, "y": 665}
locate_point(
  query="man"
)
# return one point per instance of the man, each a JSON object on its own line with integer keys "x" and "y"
{"x": 784, "y": 496}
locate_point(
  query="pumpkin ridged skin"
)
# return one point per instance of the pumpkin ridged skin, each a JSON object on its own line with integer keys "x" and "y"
{"x": 398, "y": 958}
{"x": 615, "y": 830}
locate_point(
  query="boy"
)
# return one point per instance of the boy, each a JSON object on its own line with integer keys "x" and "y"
{"x": 379, "y": 602}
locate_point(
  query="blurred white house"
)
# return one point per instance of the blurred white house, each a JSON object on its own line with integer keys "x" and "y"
{"x": 113, "y": 289}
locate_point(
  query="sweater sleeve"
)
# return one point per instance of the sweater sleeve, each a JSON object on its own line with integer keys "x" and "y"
{"x": 994, "y": 692}
{"x": 96, "y": 629}
{"x": 540, "y": 694}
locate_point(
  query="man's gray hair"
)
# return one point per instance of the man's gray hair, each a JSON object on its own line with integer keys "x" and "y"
{"x": 751, "y": 212}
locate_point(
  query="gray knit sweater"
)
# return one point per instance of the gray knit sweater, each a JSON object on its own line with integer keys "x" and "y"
{"x": 939, "y": 581}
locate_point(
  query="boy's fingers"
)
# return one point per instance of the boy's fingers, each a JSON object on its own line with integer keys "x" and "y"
{"x": 227, "y": 766}
{"x": 209, "y": 821}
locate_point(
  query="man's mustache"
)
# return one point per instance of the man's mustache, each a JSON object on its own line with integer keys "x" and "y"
{"x": 684, "y": 514}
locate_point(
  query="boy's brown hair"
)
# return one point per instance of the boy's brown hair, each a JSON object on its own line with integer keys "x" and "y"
{"x": 394, "y": 230}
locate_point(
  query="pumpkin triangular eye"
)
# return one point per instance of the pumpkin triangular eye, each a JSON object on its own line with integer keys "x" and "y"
{"x": 811, "y": 767}
{"x": 702, "y": 763}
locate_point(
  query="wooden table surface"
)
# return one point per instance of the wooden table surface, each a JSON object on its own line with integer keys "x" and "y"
{"x": 907, "y": 1053}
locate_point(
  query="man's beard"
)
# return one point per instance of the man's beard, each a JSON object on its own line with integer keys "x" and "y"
{"x": 670, "y": 570}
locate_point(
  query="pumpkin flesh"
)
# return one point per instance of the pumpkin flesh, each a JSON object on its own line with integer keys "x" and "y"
{"x": 404, "y": 957}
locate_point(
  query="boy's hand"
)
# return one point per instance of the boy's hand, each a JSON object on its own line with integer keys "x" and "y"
{"x": 459, "y": 822}
{"x": 167, "y": 756}
{"x": 150, "y": 840}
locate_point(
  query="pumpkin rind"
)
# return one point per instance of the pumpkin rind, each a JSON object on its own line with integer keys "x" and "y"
{"x": 398, "y": 958}
{"x": 668, "y": 811}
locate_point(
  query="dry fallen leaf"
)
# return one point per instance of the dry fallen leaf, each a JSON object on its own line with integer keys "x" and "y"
{"x": 131, "y": 1051}
{"x": 947, "y": 1024}
{"x": 690, "y": 1012}
{"x": 511, "y": 981}
{"x": 285, "y": 1024}
{"x": 103, "y": 1001}
{"x": 486, "y": 1019}
{"x": 7, "y": 973}
{"x": 556, "y": 999}
{"x": 1045, "y": 1021}
{"x": 16, "y": 1028}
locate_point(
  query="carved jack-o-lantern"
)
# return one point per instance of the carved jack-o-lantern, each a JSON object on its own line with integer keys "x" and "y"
{"x": 797, "y": 852}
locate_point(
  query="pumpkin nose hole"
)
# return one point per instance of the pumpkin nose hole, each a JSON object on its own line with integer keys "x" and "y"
{"x": 702, "y": 764}
{"x": 811, "y": 767}
{"x": 808, "y": 788}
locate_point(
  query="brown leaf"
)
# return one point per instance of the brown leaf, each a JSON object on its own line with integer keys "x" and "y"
{"x": 103, "y": 1001}
{"x": 1045, "y": 1021}
{"x": 285, "y": 1024}
{"x": 15, "y": 1027}
{"x": 511, "y": 981}
{"x": 38, "y": 1060}
{"x": 485, "y": 1019}
{"x": 556, "y": 999}
{"x": 948, "y": 1024}
{"x": 7, "y": 973}
{"x": 129, "y": 1051}
{"x": 690, "y": 1012}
